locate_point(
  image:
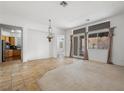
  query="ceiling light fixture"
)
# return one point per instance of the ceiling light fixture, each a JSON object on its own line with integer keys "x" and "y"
{"x": 12, "y": 31}
{"x": 50, "y": 35}
{"x": 87, "y": 20}
{"x": 63, "y": 3}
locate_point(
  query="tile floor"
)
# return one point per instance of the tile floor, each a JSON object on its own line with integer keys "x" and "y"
{"x": 84, "y": 76}
{"x": 18, "y": 76}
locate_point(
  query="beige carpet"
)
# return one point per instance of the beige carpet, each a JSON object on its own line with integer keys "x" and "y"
{"x": 84, "y": 76}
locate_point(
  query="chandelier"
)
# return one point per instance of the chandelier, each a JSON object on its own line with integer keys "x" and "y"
{"x": 50, "y": 34}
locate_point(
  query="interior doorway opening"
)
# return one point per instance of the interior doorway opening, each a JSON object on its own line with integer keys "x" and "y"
{"x": 10, "y": 43}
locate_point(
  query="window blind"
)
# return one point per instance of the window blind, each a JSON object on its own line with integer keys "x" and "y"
{"x": 99, "y": 26}
{"x": 79, "y": 31}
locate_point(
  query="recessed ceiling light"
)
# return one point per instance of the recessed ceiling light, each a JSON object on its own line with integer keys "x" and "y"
{"x": 12, "y": 31}
{"x": 87, "y": 20}
{"x": 63, "y": 3}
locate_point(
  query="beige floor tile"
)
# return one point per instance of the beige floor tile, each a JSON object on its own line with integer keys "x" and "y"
{"x": 32, "y": 86}
{"x": 16, "y": 75}
{"x": 30, "y": 79}
{"x": 19, "y": 87}
{"x": 6, "y": 85}
{"x": 17, "y": 82}
{"x": 4, "y": 78}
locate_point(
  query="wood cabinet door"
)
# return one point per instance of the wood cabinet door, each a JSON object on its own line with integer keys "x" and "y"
{"x": 8, "y": 53}
{"x": 3, "y": 37}
{"x": 17, "y": 53}
{"x": 7, "y": 39}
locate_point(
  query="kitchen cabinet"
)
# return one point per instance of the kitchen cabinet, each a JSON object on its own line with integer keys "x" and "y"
{"x": 12, "y": 53}
{"x": 8, "y": 53}
{"x": 12, "y": 40}
{"x": 17, "y": 53}
{"x": 8, "y": 39}
{"x": 3, "y": 38}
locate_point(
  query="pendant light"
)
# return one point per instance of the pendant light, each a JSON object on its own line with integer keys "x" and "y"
{"x": 50, "y": 34}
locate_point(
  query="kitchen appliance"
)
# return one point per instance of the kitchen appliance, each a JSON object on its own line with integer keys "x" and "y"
{"x": 3, "y": 50}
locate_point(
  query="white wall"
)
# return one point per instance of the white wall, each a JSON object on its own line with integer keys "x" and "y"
{"x": 67, "y": 40}
{"x": 33, "y": 31}
{"x": 118, "y": 43}
{"x": 98, "y": 55}
{"x": 38, "y": 45}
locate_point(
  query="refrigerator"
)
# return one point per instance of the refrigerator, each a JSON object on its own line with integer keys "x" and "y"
{"x": 3, "y": 50}
{"x": 0, "y": 51}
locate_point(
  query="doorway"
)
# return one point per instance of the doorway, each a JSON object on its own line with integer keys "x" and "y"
{"x": 60, "y": 46}
{"x": 78, "y": 45}
{"x": 10, "y": 43}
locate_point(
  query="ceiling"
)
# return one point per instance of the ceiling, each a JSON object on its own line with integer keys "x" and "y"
{"x": 75, "y": 14}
